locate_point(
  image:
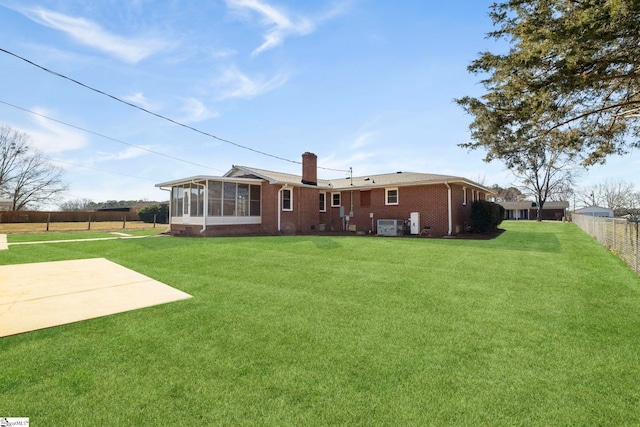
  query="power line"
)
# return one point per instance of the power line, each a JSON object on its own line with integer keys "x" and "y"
{"x": 108, "y": 137}
{"x": 102, "y": 170}
{"x": 115, "y": 98}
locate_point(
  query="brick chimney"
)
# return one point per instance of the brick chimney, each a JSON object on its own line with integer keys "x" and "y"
{"x": 309, "y": 169}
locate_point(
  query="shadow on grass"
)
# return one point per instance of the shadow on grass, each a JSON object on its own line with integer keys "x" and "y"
{"x": 528, "y": 241}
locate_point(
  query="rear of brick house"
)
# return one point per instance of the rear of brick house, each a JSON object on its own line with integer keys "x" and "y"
{"x": 251, "y": 201}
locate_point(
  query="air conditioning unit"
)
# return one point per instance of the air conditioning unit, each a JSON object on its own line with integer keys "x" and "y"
{"x": 390, "y": 227}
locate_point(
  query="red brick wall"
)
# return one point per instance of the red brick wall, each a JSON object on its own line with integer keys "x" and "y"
{"x": 270, "y": 207}
{"x": 461, "y": 212}
{"x": 308, "y": 207}
{"x": 331, "y": 218}
{"x": 303, "y": 219}
{"x": 431, "y": 201}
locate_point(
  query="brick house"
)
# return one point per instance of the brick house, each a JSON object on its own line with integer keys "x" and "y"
{"x": 526, "y": 209}
{"x": 250, "y": 201}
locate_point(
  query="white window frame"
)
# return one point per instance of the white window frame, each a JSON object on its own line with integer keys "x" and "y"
{"x": 386, "y": 196}
{"x": 290, "y": 208}
{"x": 333, "y": 205}
{"x": 323, "y": 195}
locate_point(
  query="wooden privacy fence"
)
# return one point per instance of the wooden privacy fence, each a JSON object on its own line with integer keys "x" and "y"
{"x": 617, "y": 234}
{"x": 75, "y": 216}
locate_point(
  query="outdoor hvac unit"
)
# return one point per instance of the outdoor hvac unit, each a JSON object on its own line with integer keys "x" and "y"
{"x": 390, "y": 227}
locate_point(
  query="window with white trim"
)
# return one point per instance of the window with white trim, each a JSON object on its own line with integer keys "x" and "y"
{"x": 335, "y": 200}
{"x": 323, "y": 202}
{"x": 391, "y": 196}
{"x": 287, "y": 199}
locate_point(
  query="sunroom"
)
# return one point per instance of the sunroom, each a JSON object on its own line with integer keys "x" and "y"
{"x": 211, "y": 200}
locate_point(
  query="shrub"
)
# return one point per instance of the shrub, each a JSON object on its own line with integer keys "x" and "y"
{"x": 486, "y": 216}
{"x": 161, "y": 213}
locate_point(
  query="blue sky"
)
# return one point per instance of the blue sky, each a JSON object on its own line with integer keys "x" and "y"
{"x": 364, "y": 84}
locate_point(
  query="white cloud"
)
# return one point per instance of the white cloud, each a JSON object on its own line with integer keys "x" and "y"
{"x": 128, "y": 153}
{"x": 139, "y": 99}
{"x": 196, "y": 111}
{"x": 235, "y": 84}
{"x": 362, "y": 140}
{"x": 359, "y": 161}
{"x": 88, "y": 33}
{"x": 223, "y": 53}
{"x": 279, "y": 25}
{"x": 51, "y": 137}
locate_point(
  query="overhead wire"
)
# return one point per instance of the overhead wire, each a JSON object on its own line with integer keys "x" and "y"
{"x": 108, "y": 137}
{"x": 102, "y": 170}
{"x": 115, "y": 98}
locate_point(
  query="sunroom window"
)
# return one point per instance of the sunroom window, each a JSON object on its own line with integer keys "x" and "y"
{"x": 231, "y": 199}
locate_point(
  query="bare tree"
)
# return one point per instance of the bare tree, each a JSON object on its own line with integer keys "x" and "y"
{"x": 27, "y": 177}
{"x": 618, "y": 194}
{"x": 614, "y": 195}
{"x": 13, "y": 146}
{"x": 545, "y": 173}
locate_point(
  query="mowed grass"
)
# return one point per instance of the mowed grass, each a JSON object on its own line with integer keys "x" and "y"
{"x": 77, "y": 235}
{"x": 539, "y": 326}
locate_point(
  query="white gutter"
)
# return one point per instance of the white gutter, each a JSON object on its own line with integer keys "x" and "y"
{"x": 170, "y": 204}
{"x": 449, "y": 213}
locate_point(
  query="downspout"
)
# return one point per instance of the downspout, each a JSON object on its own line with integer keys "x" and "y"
{"x": 449, "y": 213}
{"x": 279, "y": 207}
{"x": 204, "y": 208}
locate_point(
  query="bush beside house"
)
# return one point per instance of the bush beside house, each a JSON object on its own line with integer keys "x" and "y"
{"x": 486, "y": 216}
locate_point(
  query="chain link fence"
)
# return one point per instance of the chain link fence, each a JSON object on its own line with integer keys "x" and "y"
{"x": 617, "y": 234}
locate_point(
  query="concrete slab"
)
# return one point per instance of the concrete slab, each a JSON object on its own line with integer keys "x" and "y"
{"x": 3, "y": 242}
{"x": 42, "y": 295}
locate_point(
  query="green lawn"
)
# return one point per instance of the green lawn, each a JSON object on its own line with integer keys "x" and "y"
{"x": 539, "y": 326}
{"x": 74, "y": 235}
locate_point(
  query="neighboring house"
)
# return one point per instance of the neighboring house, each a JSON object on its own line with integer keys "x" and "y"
{"x": 595, "y": 211}
{"x": 250, "y": 201}
{"x": 5, "y": 204}
{"x": 528, "y": 210}
{"x": 517, "y": 210}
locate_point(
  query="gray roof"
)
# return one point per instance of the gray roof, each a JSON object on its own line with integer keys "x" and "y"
{"x": 362, "y": 182}
{"x": 527, "y": 204}
{"x": 271, "y": 176}
{"x": 590, "y": 209}
{"x": 556, "y": 205}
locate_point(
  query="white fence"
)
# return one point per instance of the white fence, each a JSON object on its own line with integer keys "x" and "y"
{"x": 617, "y": 234}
